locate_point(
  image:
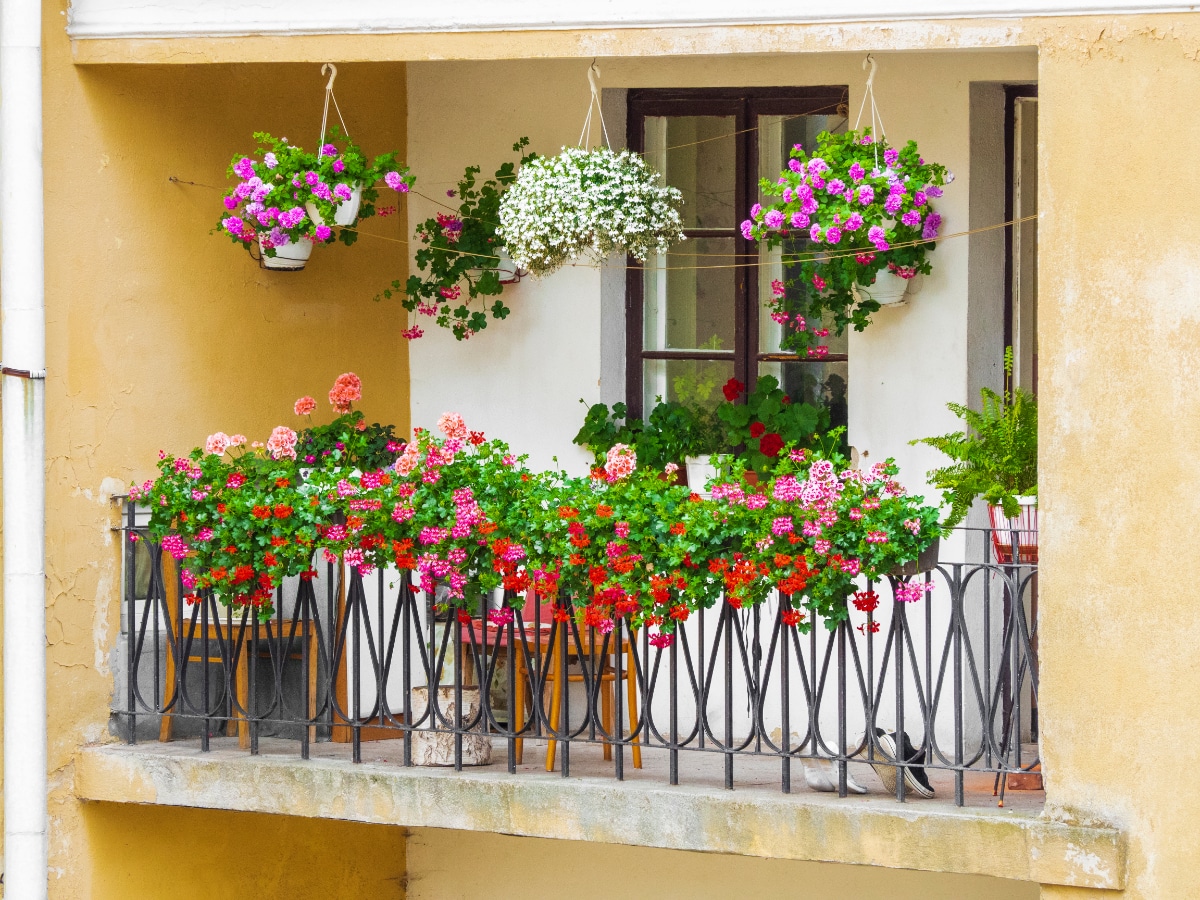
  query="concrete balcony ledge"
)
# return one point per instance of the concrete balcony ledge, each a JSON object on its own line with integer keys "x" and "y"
{"x": 875, "y": 830}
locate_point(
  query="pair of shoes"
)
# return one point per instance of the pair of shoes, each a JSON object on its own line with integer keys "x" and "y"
{"x": 915, "y": 778}
{"x": 821, "y": 775}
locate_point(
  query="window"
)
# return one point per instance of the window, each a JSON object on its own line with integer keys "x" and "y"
{"x": 693, "y": 317}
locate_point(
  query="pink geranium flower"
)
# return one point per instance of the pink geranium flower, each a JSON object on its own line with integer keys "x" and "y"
{"x": 305, "y": 406}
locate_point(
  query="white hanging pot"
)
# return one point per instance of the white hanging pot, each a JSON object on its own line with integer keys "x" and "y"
{"x": 345, "y": 213}
{"x": 889, "y": 289}
{"x": 509, "y": 271}
{"x": 289, "y": 257}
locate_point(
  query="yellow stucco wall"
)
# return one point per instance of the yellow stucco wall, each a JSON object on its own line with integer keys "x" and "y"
{"x": 1120, "y": 424}
{"x": 159, "y": 333}
{"x": 148, "y": 853}
{"x": 465, "y": 865}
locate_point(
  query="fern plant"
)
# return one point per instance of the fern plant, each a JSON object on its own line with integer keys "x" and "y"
{"x": 996, "y": 458}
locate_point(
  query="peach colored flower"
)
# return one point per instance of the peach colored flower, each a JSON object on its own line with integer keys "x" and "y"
{"x": 257, "y": 445}
{"x": 282, "y": 442}
{"x": 347, "y": 389}
{"x": 237, "y": 440}
{"x": 305, "y": 406}
{"x": 451, "y": 424}
{"x": 620, "y": 462}
{"x": 217, "y": 443}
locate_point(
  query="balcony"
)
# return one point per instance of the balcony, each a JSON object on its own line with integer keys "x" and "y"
{"x": 324, "y": 710}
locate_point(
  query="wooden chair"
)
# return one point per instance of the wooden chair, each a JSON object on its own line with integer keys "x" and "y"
{"x": 538, "y": 624}
{"x": 605, "y": 664}
{"x": 488, "y": 637}
{"x": 234, "y": 639}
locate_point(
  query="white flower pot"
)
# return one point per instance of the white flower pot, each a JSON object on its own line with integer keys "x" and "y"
{"x": 700, "y": 471}
{"x": 509, "y": 271}
{"x": 345, "y": 213}
{"x": 290, "y": 257}
{"x": 889, "y": 289}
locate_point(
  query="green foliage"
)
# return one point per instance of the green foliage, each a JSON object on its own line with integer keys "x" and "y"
{"x": 349, "y": 442}
{"x": 996, "y": 458}
{"x": 671, "y": 433}
{"x": 460, "y": 250}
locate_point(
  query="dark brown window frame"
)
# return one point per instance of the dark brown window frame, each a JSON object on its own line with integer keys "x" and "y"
{"x": 745, "y": 105}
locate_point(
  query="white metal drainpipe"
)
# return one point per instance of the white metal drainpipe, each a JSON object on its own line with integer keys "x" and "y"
{"x": 23, "y": 442}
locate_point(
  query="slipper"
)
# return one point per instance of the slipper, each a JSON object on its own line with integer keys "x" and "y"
{"x": 915, "y": 778}
{"x": 821, "y": 775}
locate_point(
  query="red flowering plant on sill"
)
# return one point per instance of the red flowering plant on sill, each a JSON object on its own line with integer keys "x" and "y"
{"x": 767, "y": 422}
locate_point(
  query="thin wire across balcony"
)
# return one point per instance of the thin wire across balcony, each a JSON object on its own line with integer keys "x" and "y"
{"x": 955, "y": 673}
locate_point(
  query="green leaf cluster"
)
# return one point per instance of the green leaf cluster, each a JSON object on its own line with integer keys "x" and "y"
{"x": 461, "y": 250}
{"x": 672, "y": 432}
{"x": 995, "y": 458}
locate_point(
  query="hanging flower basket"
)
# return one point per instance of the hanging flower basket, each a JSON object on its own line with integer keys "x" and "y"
{"x": 287, "y": 199}
{"x": 856, "y": 223}
{"x": 587, "y": 203}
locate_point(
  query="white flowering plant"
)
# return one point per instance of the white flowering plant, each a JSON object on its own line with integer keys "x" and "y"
{"x": 843, "y": 214}
{"x": 587, "y": 203}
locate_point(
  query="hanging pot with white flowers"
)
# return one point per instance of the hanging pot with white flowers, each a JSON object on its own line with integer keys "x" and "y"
{"x": 855, "y": 223}
{"x": 587, "y": 203}
{"x": 287, "y": 199}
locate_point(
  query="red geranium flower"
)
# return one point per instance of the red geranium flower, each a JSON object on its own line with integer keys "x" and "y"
{"x": 770, "y": 445}
{"x": 757, "y": 429}
{"x": 733, "y": 389}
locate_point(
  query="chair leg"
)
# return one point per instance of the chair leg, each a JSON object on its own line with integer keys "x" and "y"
{"x": 632, "y": 694}
{"x": 242, "y": 682}
{"x": 167, "y": 724}
{"x": 559, "y": 676}
{"x": 607, "y": 702}
{"x": 518, "y": 722}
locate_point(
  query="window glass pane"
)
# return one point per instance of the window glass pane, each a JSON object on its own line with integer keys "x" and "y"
{"x": 697, "y": 154}
{"x": 694, "y": 382}
{"x": 686, "y": 307}
{"x": 819, "y": 383}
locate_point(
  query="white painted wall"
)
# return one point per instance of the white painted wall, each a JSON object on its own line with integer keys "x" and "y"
{"x": 522, "y": 378}
{"x": 176, "y": 18}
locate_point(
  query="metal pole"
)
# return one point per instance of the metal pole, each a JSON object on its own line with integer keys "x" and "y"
{"x": 22, "y": 305}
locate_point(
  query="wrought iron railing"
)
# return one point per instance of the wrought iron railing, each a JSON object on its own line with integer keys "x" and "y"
{"x": 344, "y": 659}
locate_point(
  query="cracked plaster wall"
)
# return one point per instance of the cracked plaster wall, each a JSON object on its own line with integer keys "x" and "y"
{"x": 159, "y": 333}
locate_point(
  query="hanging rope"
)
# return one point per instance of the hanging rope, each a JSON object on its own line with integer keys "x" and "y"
{"x": 593, "y": 75}
{"x": 876, "y": 118}
{"x": 331, "y": 70}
